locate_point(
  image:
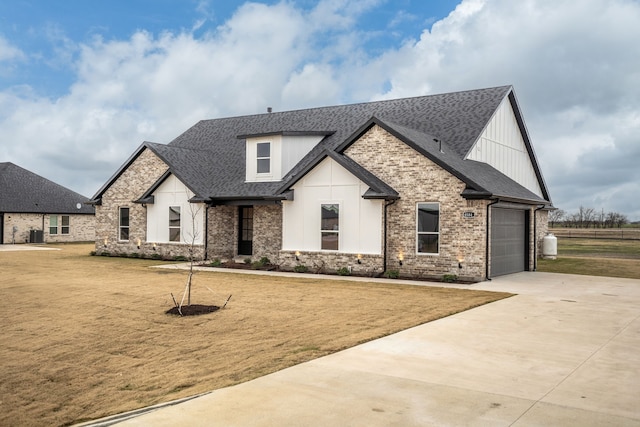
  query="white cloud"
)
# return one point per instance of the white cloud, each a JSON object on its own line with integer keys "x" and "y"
{"x": 575, "y": 67}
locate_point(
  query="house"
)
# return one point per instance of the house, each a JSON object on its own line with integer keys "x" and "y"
{"x": 427, "y": 186}
{"x": 36, "y": 210}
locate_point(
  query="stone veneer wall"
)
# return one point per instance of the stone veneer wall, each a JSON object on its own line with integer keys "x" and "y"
{"x": 330, "y": 262}
{"x": 145, "y": 170}
{"x": 418, "y": 179}
{"x": 81, "y": 228}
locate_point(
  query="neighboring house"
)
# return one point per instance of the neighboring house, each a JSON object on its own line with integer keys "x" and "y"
{"x": 36, "y": 210}
{"x": 431, "y": 185}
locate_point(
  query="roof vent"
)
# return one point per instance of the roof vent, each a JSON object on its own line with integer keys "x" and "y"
{"x": 439, "y": 141}
{"x": 269, "y": 109}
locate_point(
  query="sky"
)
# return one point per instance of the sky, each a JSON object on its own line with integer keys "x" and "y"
{"x": 84, "y": 83}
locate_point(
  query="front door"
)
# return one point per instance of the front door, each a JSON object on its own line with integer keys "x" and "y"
{"x": 245, "y": 232}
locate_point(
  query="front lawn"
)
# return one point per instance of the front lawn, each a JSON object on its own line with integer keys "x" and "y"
{"x": 85, "y": 337}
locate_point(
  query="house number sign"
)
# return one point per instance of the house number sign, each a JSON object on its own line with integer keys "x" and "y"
{"x": 468, "y": 214}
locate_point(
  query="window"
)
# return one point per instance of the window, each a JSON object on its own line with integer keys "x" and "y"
{"x": 428, "y": 228}
{"x": 53, "y": 224}
{"x": 264, "y": 157}
{"x": 65, "y": 224}
{"x": 124, "y": 224}
{"x": 174, "y": 223}
{"x": 330, "y": 227}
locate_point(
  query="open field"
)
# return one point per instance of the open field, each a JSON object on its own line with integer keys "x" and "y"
{"x": 85, "y": 337}
{"x": 625, "y": 233}
{"x": 595, "y": 257}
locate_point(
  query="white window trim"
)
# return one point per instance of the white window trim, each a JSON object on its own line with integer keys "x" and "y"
{"x": 50, "y": 226}
{"x": 62, "y": 226}
{"x": 258, "y": 158}
{"x": 120, "y": 226}
{"x": 179, "y": 227}
{"x": 417, "y": 233}
{"x": 338, "y": 232}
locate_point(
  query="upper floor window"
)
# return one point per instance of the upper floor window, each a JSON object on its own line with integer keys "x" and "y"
{"x": 123, "y": 224}
{"x": 428, "y": 228}
{"x": 330, "y": 226}
{"x": 174, "y": 223}
{"x": 264, "y": 157}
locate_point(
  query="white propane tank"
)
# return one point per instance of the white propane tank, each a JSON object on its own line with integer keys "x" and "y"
{"x": 549, "y": 246}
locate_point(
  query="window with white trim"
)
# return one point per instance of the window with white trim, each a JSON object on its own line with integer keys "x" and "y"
{"x": 428, "y": 228}
{"x": 123, "y": 232}
{"x": 330, "y": 226}
{"x": 174, "y": 223}
{"x": 263, "y": 150}
{"x": 53, "y": 224}
{"x": 65, "y": 224}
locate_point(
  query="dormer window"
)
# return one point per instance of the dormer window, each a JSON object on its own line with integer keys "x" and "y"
{"x": 263, "y": 157}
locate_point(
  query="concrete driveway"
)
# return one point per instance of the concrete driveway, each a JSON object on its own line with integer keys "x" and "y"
{"x": 565, "y": 351}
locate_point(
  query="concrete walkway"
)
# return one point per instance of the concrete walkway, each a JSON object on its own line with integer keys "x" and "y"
{"x": 8, "y": 247}
{"x": 564, "y": 352}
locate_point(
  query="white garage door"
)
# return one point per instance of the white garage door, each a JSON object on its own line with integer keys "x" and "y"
{"x": 509, "y": 252}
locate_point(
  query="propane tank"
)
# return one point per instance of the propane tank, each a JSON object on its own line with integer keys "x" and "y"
{"x": 549, "y": 246}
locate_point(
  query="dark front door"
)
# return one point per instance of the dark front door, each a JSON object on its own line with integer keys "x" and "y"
{"x": 245, "y": 232}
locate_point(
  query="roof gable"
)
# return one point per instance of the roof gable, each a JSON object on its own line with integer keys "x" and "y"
{"x": 22, "y": 191}
{"x": 210, "y": 157}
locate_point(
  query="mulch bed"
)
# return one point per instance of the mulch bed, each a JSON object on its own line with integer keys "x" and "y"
{"x": 193, "y": 310}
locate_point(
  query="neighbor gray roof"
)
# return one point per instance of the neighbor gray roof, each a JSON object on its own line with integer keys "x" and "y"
{"x": 22, "y": 191}
{"x": 210, "y": 156}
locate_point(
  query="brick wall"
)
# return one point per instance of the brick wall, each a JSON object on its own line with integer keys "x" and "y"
{"x": 222, "y": 232}
{"x": 145, "y": 170}
{"x": 418, "y": 179}
{"x": 81, "y": 228}
{"x": 267, "y": 231}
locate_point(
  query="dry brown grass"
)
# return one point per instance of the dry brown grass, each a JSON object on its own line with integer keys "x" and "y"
{"x": 84, "y": 337}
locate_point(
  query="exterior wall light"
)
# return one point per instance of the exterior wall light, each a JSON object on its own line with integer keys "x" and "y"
{"x": 460, "y": 261}
{"x": 105, "y": 242}
{"x": 400, "y": 258}
{"x": 139, "y": 242}
{"x": 297, "y": 255}
{"x": 359, "y": 258}
{"x": 154, "y": 246}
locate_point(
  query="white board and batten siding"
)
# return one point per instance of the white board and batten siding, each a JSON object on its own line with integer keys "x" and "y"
{"x": 172, "y": 192}
{"x": 286, "y": 152}
{"x": 502, "y": 146}
{"x": 360, "y": 230}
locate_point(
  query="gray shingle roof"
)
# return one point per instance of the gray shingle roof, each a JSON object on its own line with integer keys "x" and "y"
{"x": 22, "y": 191}
{"x": 210, "y": 156}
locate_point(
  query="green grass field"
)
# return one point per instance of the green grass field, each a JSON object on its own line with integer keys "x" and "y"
{"x": 595, "y": 257}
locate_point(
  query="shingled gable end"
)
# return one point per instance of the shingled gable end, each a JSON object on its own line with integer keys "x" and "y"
{"x": 34, "y": 209}
{"x": 428, "y": 186}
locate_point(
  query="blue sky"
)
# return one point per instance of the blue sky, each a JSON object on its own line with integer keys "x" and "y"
{"x": 83, "y": 83}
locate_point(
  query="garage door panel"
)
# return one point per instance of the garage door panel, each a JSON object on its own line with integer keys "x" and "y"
{"x": 508, "y": 241}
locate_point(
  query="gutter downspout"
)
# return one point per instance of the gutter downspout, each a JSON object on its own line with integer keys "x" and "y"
{"x": 206, "y": 232}
{"x": 384, "y": 250}
{"x": 487, "y": 240}
{"x": 535, "y": 238}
